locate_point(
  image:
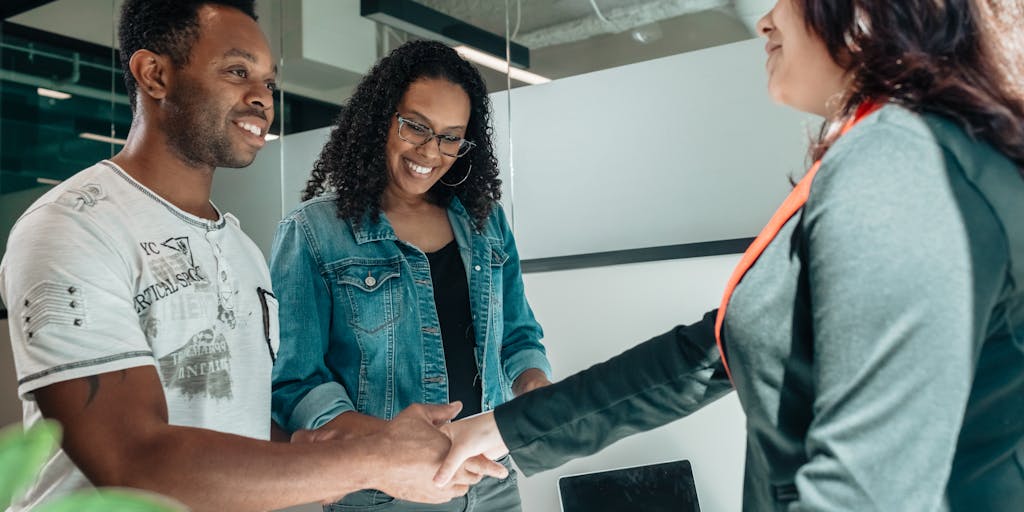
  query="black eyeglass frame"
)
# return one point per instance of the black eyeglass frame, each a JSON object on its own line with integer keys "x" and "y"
{"x": 464, "y": 146}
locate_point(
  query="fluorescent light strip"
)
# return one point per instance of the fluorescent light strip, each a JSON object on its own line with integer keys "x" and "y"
{"x": 50, "y": 93}
{"x": 47, "y": 181}
{"x": 102, "y": 138}
{"x": 490, "y": 61}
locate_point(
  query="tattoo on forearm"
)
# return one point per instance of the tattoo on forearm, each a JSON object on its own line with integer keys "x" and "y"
{"x": 94, "y": 386}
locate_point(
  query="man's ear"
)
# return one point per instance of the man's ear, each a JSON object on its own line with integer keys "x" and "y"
{"x": 151, "y": 72}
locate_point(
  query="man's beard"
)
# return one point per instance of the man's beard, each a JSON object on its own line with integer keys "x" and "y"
{"x": 197, "y": 133}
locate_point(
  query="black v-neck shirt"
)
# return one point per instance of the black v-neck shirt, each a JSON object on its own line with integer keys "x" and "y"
{"x": 451, "y": 298}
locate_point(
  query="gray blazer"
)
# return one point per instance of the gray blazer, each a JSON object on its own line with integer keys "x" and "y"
{"x": 877, "y": 345}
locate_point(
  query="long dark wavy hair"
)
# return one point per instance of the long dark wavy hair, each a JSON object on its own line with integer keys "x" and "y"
{"x": 353, "y": 163}
{"x": 928, "y": 56}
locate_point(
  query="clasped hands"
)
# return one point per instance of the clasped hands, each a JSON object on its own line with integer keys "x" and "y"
{"x": 421, "y": 455}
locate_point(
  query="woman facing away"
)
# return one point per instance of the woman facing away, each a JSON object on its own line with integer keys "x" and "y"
{"x": 874, "y": 331}
{"x": 398, "y": 277}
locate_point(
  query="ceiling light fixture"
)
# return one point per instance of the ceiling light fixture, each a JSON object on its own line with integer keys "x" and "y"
{"x": 50, "y": 93}
{"x": 102, "y": 138}
{"x": 47, "y": 181}
{"x": 424, "y": 22}
{"x": 490, "y": 61}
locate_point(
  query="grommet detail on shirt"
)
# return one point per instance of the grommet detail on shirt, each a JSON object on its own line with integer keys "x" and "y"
{"x": 53, "y": 303}
{"x": 370, "y": 281}
{"x": 477, "y": 268}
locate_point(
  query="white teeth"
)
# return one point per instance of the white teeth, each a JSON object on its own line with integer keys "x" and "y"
{"x": 418, "y": 169}
{"x": 251, "y": 128}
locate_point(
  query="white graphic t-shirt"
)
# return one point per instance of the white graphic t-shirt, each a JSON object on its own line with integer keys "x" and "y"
{"x": 101, "y": 274}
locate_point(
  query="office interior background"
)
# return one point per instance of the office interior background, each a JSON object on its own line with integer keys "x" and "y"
{"x": 638, "y": 160}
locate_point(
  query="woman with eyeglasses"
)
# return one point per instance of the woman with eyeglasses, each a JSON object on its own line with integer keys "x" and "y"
{"x": 398, "y": 278}
{"x": 874, "y": 330}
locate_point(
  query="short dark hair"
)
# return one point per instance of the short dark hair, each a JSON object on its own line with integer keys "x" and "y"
{"x": 166, "y": 27}
{"x": 928, "y": 56}
{"x": 352, "y": 162}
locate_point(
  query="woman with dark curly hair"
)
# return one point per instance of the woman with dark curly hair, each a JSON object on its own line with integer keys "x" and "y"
{"x": 874, "y": 330}
{"x": 398, "y": 278}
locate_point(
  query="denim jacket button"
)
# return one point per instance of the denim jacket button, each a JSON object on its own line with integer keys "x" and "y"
{"x": 477, "y": 268}
{"x": 370, "y": 281}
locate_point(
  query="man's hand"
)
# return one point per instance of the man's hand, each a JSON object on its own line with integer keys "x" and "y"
{"x": 529, "y": 380}
{"x": 473, "y": 438}
{"x": 411, "y": 449}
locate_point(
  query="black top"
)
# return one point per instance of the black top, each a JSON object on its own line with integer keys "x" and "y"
{"x": 451, "y": 297}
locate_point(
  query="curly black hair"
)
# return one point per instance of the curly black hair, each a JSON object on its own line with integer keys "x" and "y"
{"x": 353, "y": 163}
{"x": 165, "y": 27}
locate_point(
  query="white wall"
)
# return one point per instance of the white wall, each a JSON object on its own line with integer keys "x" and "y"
{"x": 253, "y": 194}
{"x": 590, "y": 315}
{"x": 686, "y": 148}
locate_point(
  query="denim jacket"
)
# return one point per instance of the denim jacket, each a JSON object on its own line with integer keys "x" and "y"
{"x": 359, "y": 329}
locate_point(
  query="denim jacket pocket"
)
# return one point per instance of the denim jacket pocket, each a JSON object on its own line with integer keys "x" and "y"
{"x": 373, "y": 290}
{"x": 498, "y": 254}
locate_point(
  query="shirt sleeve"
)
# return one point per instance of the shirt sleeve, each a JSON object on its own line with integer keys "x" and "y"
{"x": 305, "y": 395}
{"x": 68, "y": 289}
{"x": 899, "y": 308}
{"x": 521, "y": 348}
{"x": 659, "y": 381}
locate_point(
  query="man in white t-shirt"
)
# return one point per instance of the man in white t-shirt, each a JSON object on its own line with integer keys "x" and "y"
{"x": 142, "y": 318}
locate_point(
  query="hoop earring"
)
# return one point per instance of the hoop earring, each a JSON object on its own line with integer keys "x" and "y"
{"x": 468, "y": 171}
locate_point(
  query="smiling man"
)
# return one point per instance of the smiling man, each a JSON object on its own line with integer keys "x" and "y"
{"x": 142, "y": 317}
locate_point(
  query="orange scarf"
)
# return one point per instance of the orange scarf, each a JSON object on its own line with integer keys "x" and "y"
{"x": 794, "y": 201}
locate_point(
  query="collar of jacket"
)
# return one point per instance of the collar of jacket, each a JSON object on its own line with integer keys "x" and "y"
{"x": 375, "y": 230}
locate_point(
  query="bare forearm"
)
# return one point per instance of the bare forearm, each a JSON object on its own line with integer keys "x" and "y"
{"x": 116, "y": 432}
{"x": 352, "y": 424}
{"x": 213, "y": 471}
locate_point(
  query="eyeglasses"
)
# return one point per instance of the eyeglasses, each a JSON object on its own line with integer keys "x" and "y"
{"x": 418, "y": 134}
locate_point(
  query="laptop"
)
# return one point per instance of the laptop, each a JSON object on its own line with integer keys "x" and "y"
{"x": 667, "y": 486}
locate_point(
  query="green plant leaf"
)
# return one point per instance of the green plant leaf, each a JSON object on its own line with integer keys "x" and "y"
{"x": 112, "y": 500}
{"x": 22, "y": 455}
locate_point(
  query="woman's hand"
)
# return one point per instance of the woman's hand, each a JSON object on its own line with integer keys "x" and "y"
{"x": 475, "y": 440}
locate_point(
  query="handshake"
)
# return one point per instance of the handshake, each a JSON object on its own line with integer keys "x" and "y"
{"x": 420, "y": 455}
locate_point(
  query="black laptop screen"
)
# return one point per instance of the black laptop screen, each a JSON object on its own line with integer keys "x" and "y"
{"x": 658, "y": 487}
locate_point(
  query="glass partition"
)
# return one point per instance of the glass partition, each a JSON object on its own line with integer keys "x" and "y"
{"x": 62, "y": 100}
